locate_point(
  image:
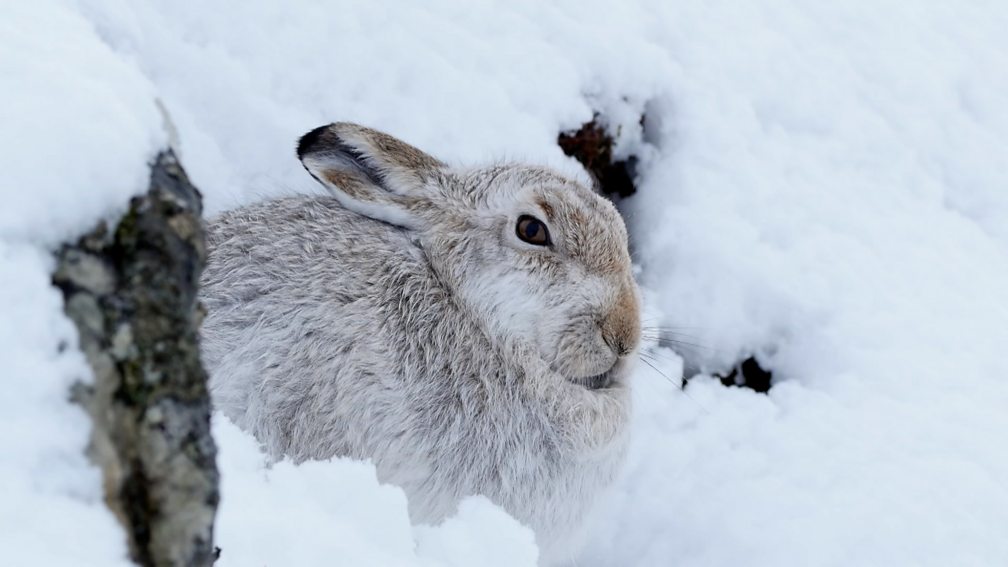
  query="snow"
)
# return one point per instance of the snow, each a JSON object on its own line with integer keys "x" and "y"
{"x": 337, "y": 513}
{"x": 821, "y": 185}
{"x": 76, "y": 139}
{"x": 52, "y": 511}
{"x": 73, "y": 109}
{"x": 835, "y": 203}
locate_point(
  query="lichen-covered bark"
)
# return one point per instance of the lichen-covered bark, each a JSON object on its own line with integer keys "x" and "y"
{"x": 132, "y": 293}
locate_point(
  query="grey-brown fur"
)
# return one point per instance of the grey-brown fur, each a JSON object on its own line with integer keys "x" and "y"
{"x": 401, "y": 320}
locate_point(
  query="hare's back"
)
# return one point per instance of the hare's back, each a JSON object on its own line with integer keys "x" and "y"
{"x": 305, "y": 249}
{"x": 290, "y": 288}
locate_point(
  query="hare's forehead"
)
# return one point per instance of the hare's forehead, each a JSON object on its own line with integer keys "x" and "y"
{"x": 501, "y": 182}
{"x": 592, "y": 229}
{"x": 588, "y": 225}
{"x": 511, "y": 186}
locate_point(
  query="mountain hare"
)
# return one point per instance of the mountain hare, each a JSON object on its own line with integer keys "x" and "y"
{"x": 470, "y": 331}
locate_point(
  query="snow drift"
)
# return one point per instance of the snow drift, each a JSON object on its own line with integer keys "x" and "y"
{"x": 819, "y": 186}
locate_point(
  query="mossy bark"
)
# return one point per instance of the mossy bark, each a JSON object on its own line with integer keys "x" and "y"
{"x": 132, "y": 292}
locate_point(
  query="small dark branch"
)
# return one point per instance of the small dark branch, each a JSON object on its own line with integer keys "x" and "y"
{"x": 592, "y": 146}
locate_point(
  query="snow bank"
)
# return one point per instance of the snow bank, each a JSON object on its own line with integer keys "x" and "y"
{"x": 822, "y": 186}
{"x": 832, "y": 197}
{"x": 79, "y": 125}
{"x": 336, "y": 513}
{"x": 465, "y": 82}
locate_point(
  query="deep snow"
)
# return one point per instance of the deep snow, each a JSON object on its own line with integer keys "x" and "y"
{"x": 822, "y": 186}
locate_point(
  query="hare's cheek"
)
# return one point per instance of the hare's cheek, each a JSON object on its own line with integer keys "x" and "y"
{"x": 508, "y": 303}
{"x": 550, "y": 337}
{"x": 581, "y": 351}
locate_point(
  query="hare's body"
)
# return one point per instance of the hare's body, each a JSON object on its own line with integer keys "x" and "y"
{"x": 331, "y": 333}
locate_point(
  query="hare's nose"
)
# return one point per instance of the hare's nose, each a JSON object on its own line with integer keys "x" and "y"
{"x": 621, "y": 328}
{"x": 617, "y": 344}
{"x": 622, "y": 349}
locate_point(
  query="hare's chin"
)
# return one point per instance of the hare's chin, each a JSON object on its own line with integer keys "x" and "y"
{"x": 598, "y": 381}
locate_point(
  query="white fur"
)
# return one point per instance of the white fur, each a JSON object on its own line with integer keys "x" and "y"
{"x": 444, "y": 349}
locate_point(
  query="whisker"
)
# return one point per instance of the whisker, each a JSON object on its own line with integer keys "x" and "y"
{"x": 667, "y": 332}
{"x": 655, "y": 368}
{"x": 647, "y": 325}
{"x": 663, "y": 332}
{"x": 685, "y": 345}
{"x": 653, "y": 334}
{"x": 691, "y": 341}
{"x": 680, "y": 385}
{"x": 659, "y": 356}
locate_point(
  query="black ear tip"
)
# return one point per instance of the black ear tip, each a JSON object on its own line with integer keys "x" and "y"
{"x": 310, "y": 140}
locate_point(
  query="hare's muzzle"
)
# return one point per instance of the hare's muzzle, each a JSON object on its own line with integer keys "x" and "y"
{"x": 621, "y": 327}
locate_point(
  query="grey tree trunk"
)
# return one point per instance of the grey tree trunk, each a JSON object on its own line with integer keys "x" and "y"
{"x": 132, "y": 292}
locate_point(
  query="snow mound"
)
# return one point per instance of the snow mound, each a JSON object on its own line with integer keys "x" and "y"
{"x": 828, "y": 196}
{"x": 336, "y": 512}
{"x": 821, "y": 186}
{"x": 80, "y": 124}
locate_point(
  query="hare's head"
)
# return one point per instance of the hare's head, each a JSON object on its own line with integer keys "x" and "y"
{"x": 534, "y": 255}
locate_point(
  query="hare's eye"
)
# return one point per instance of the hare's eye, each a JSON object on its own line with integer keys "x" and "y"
{"x": 532, "y": 230}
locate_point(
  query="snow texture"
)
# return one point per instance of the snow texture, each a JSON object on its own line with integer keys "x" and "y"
{"x": 324, "y": 513}
{"x": 821, "y": 185}
{"x": 79, "y": 124}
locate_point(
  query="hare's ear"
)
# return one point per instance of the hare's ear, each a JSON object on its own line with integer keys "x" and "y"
{"x": 370, "y": 172}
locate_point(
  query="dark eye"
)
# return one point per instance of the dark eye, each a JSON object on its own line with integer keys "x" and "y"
{"x": 532, "y": 230}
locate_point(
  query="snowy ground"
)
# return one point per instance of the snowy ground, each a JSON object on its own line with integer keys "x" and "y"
{"x": 821, "y": 186}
